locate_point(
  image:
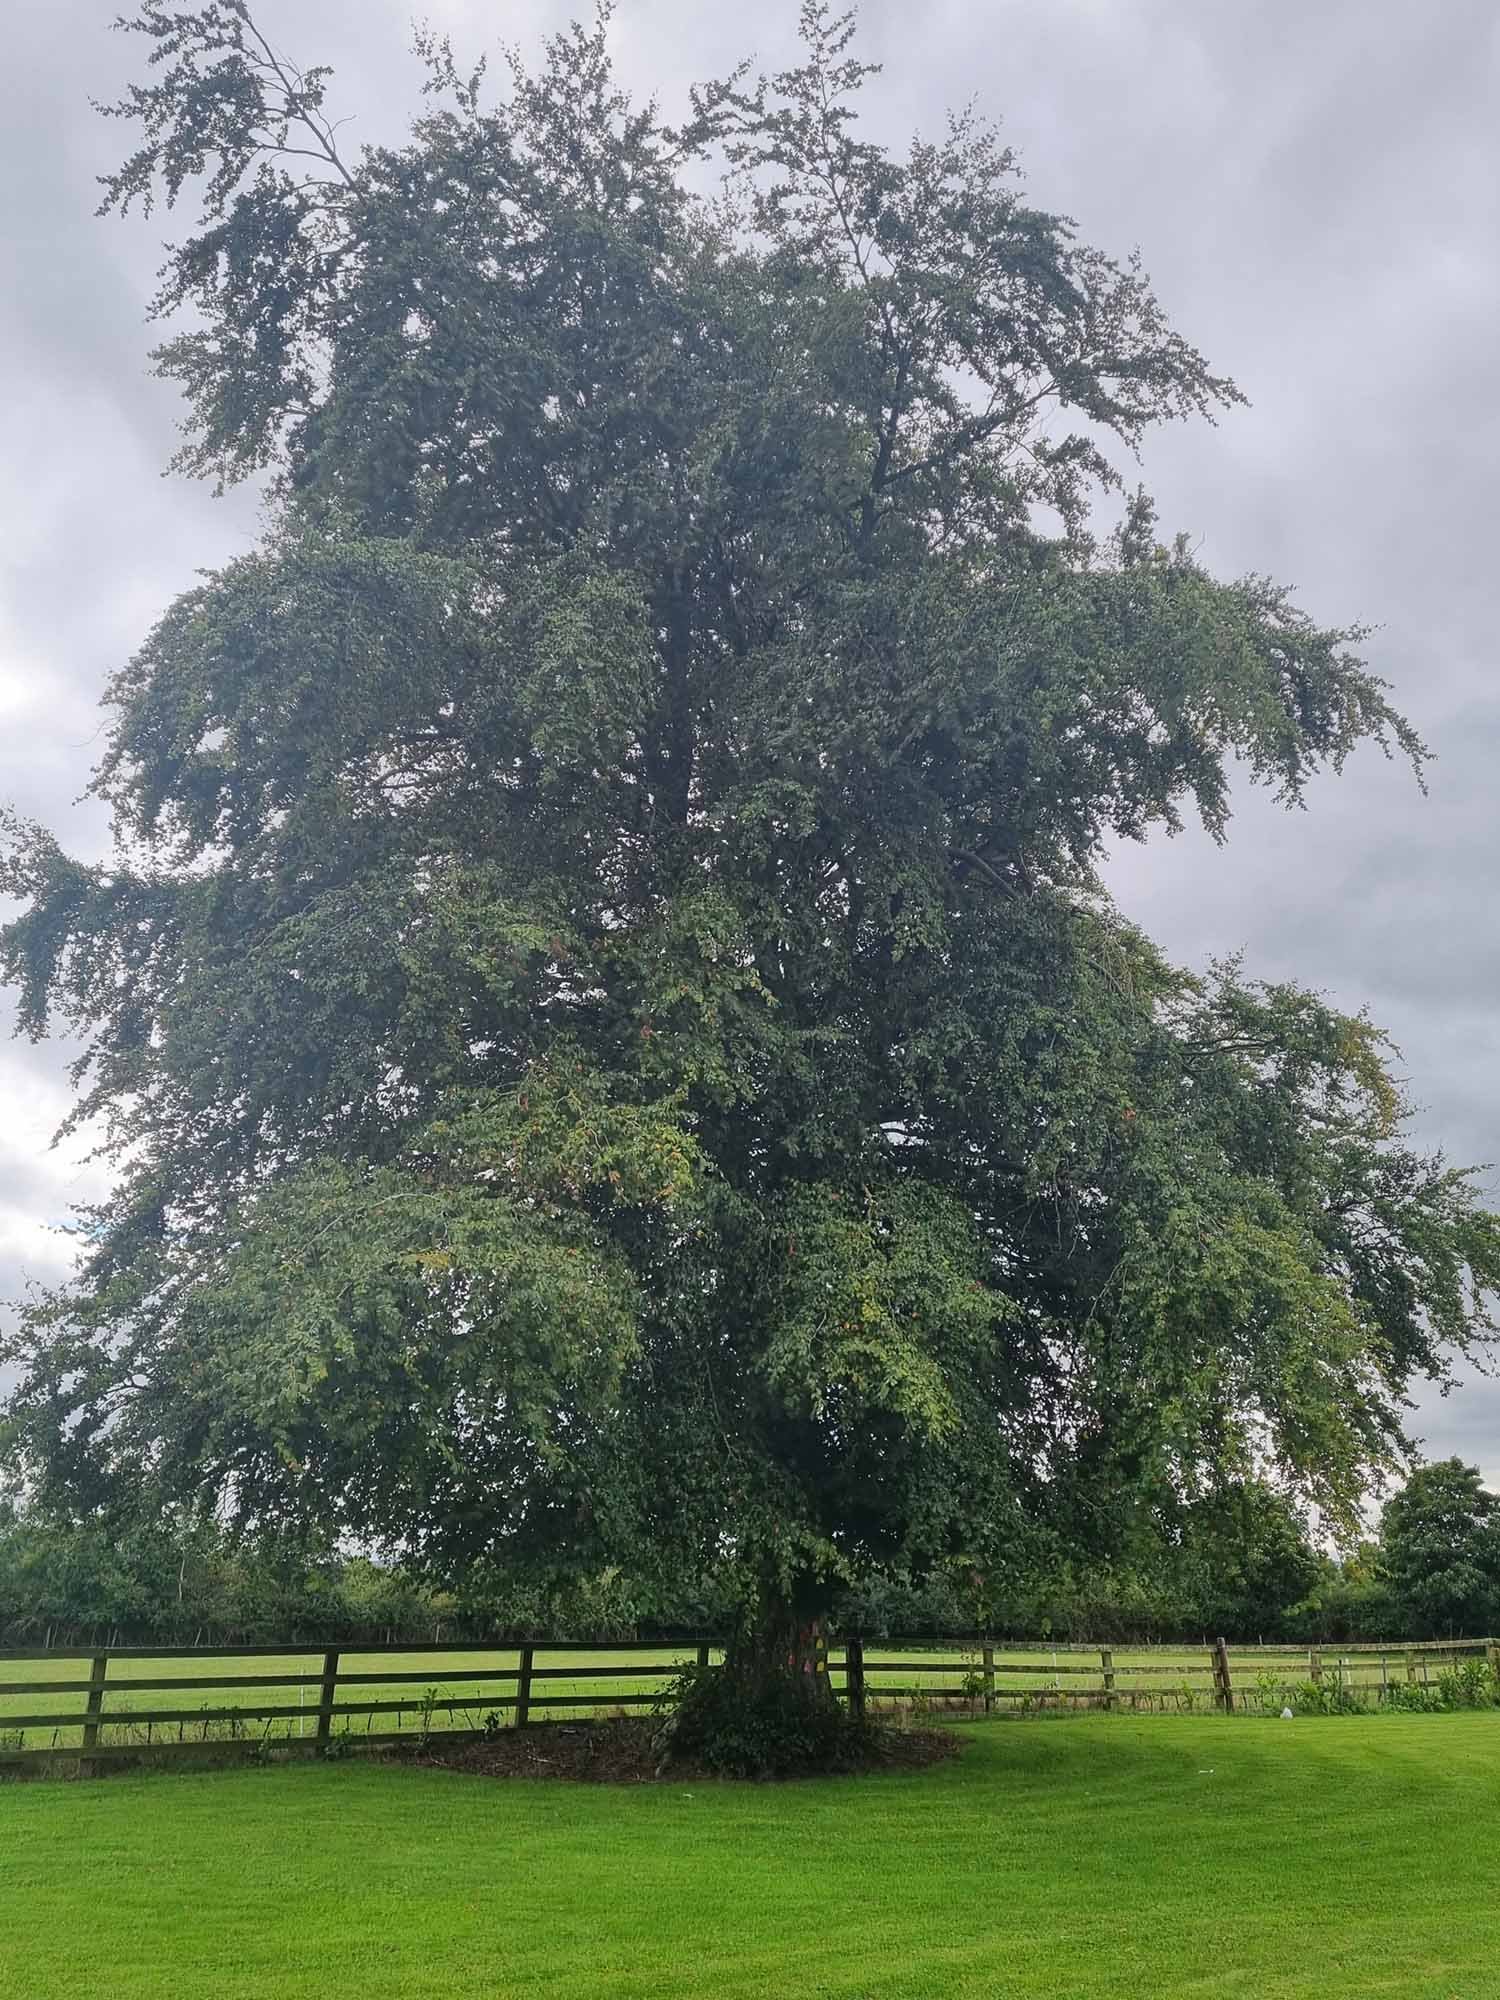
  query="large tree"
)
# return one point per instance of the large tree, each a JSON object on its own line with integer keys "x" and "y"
{"x": 613, "y": 1043}
{"x": 1440, "y": 1550}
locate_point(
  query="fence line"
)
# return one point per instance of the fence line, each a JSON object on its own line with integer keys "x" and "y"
{"x": 978, "y": 1676}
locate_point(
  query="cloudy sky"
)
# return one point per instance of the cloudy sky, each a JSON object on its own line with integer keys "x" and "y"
{"x": 1315, "y": 185}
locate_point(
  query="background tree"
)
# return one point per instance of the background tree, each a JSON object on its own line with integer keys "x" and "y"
{"x": 1247, "y": 1562}
{"x": 1440, "y": 1550}
{"x": 613, "y": 1039}
{"x": 180, "y": 1579}
{"x": 1350, "y": 1599}
{"x": 1235, "y": 1560}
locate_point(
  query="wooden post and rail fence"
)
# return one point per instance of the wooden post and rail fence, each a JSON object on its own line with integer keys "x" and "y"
{"x": 102, "y": 1702}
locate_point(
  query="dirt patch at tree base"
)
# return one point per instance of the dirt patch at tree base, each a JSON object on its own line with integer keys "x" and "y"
{"x": 630, "y": 1753}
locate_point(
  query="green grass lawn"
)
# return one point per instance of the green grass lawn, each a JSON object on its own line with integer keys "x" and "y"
{"x": 1123, "y": 1858}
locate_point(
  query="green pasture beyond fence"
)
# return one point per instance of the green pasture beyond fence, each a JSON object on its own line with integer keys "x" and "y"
{"x": 121, "y": 1702}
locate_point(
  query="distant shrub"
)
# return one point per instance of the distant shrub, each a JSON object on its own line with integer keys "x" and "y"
{"x": 1327, "y": 1697}
{"x": 1273, "y": 1693}
{"x": 1469, "y": 1684}
{"x": 1415, "y": 1698}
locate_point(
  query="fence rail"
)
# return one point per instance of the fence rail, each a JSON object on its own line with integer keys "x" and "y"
{"x": 463, "y": 1691}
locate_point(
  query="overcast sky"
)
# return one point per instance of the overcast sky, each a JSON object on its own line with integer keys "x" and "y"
{"x": 1315, "y": 185}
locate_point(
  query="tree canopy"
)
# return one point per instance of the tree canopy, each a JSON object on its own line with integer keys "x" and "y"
{"x": 1440, "y": 1550}
{"x": 613, "y": 1041}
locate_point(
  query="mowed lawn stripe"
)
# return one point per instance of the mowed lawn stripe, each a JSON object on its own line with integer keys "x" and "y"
{"x": 1107, "y": 1856}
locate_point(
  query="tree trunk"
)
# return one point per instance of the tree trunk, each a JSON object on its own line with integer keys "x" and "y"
{"x": 771, "y": 1707}
{"x": 787, "y": 1644}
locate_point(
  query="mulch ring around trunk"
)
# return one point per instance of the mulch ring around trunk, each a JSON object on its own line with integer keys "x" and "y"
{"x": 629, "y": 1752}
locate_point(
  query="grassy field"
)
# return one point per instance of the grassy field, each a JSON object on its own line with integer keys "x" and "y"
{"x": 446, "y": 1675}
{"x": 1109, "y": 1858}
{"x": 1174, "y": 1678}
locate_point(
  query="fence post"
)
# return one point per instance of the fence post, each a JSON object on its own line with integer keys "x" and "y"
{"x": 1226, "y": 1685}
{"x": 854, "y": 1675}
{"x": 98, "y": 1668}
{"x": 703, "y": 1652}
{"x": 1492, "y": 1648}
{"x": 989, "y": 1680}
{"x": 1107, "y": 1662}
{"x": 523, "y": 1689}
{"x": 326, "y": 1693}
{"x": 1315, "y": 1664}
{"x": 1411, "y": 1665}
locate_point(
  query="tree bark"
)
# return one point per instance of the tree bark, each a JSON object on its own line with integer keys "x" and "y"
{"x": 786, "y": 1642}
